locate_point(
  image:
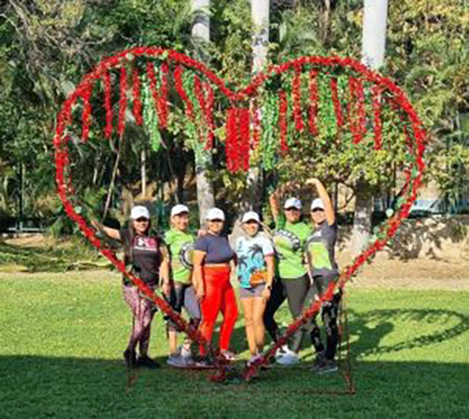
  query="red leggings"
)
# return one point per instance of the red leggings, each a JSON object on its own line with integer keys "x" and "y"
{"x": 219, "y": 296}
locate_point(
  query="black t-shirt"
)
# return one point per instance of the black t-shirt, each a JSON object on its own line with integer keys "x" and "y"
{"x": 144, "y": 254}
{"x": 217, "y": 248}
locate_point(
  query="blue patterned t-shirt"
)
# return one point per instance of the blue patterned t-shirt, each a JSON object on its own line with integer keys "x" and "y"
{"x": 251, "y": 252}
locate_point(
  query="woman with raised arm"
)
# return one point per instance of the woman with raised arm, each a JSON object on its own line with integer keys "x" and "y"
{"x": 255, "y": 271}
{"x": 148, "y": 258}
{"x": 213, "y": 259}
{"x": 320, "y": 254}
{"x": 292, "y": 281}
{"x": 180, "y": 244}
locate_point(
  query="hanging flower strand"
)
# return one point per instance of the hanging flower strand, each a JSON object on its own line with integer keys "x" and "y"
{"x": 283, "y": 124}
{"x": 313, "y": 102}
{"x": 296, "y": 95}
{"x": 209, "y": 115}
{"x": 136, "y": 93}
{"x": 122, "y": 101}
{"x": 107, "y": 104}
{"x": 378, "y": 125}
{"x": 163, "y": 97}
{"x": 182, "y": 92}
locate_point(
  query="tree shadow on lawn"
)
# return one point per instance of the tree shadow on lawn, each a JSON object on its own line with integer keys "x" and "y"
{"x": 82, "y": 387}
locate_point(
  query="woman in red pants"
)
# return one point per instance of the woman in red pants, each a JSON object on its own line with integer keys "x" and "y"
{"x": 212, "y": 268}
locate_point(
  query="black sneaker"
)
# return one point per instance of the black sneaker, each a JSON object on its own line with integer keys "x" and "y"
{"x": 146, "y": 362}
{"x": 204, "y": 362}
{"x": 319, "y": 360}
{"x": 326, "y": 367}
{"x": 130, "y": 358}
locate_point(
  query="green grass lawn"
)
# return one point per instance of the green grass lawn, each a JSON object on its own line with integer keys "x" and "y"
{"x": 62, "y": 337}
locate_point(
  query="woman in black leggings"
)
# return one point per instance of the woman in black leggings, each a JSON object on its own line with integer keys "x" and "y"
{"x": 322, "y": 267}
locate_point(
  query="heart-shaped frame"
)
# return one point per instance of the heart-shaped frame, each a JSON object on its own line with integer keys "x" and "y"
{"x": 238, "y": 139}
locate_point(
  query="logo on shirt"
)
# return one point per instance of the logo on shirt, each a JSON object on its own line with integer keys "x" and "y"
{"x": 286, "y": 239}
{"x": 148, "y": 244}
{"x": 185, "y": 255}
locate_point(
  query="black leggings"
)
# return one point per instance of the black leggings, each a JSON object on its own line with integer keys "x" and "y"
{"x": 183, "y": 295}
{"x": 296, "y": 292}
{"x": 329, "y": 315}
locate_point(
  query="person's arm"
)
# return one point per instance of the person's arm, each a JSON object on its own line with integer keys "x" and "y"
{"x": 113, "y": 233}
{"x": 198, "y": 278}
{"x": 325, "y": 198}
{"x": 164, "y": 271}
{"x": 270, "y": 262}
{"x": 274, "y": 206}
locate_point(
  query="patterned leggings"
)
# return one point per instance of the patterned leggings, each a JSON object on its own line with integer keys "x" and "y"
{"x": 142, "y": 310}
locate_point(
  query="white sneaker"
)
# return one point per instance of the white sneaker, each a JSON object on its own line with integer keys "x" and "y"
{"x": 185, "y": 352}
{"x": 284, "y": 350}
{"x": 288, "y": 358}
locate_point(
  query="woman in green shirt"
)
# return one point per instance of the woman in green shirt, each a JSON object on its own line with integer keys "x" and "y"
{"x": 180, "y": 243}
{"x": 292, "y": 281}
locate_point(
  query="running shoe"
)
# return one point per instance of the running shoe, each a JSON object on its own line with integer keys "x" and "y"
{"x": 178, "y": 361}
{"x": 326, "y": 366}
{"x": 204, "y": 362}
{"x": 130, "y": 358}
{"x": 288, "y": 358}
{"x": 228, "y": 355}
{"x": 146, "y": 362}
{"x": 320, "y": 358}
{"x": 186, "y": 353}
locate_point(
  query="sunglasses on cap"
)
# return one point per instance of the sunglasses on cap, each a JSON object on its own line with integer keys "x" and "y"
{"x": 216, "y": 220}
{"x": 291, "y": 209}
{"x": 317, "y": 210}
{"x": 141, "y": 219}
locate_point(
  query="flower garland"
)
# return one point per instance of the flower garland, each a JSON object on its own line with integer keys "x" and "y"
{"x": 178, "y": 72}
{"x": 107, "y": 103}
{"x": 377, "y": 125}
{"x": 231, "y": 141}
{"x": 282, "y": 121}
{"x": 163, "y": 97}
{"x": 243, "y": 122}
{"x": 136, "y": 92}
{"x": 256, "y": 125}
{"x": 357, "y": 111}
{"x": 313, "y": 102}
{"x": 122, "y": 101}
{"x": 296, "y": 96}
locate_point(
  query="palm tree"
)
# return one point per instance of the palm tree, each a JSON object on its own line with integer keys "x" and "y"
{"x": 203, "y": 158}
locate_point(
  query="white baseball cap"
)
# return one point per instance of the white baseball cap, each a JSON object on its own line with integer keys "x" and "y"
{"x": 317, "y": 204}
{"x": 249, "y": 216}
{"x": 178, "y": 209}
{"x": 215, "y": 214}
{"x": 138, "y": 212}
{"x": 292, "y": 203}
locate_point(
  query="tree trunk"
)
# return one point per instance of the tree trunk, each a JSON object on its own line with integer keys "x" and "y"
{"x": 362, "y": 217}
{"x": 373, "y": 47}
{"x": 143, "y": 172}
{"x": 203, "y": 158}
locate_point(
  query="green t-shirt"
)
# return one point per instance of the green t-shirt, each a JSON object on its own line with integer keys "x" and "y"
{"x": 289, "y": 240}
{"x": 181, "y": 248}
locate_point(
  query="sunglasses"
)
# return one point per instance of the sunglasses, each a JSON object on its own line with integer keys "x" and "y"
{"x": 291, "y": 209}
{"x": 251, "y": 222}
{"x": 317, "y": 210}
{"x": 142, "y": 220}
{"x": 215, "y": 221}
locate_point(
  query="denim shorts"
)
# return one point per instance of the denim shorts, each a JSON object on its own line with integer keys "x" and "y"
{"x": 252, "y": 292}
